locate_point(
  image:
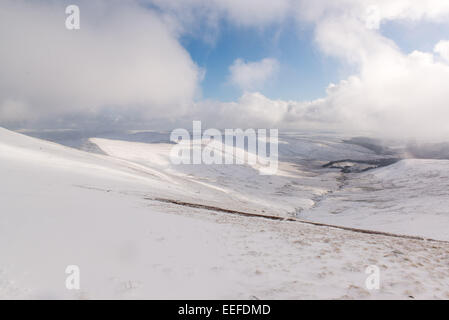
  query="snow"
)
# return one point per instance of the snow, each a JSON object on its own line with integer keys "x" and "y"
{"x": 60, "y": 206}
{"x": 241, "y": 187}
{"x": 401, "y": 198}
{"x": 408, "y": 197}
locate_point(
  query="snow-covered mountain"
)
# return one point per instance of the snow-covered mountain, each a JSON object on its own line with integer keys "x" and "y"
{"x": 108, "y": 214}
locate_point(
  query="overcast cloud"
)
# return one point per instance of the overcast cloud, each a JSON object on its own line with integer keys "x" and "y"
{"x": 123, "y": 57}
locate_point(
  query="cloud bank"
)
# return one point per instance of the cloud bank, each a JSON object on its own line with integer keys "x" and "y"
{"x": 392, "y": 93}
{"x": 128, "y": 58}
{"x": 123, "y": 57}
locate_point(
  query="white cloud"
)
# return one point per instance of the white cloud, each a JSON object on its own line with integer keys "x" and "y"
{"x": 252, "y": 75}
{"x": 254, "y": 110}
{"x": 130, "y": 56}
{"x": 250, "y": 13}
{"x": 124, "y": 56}
{"x": 386, "y": 95}
{"x": 398, "y": 96}
{"x": 254, "y": 12}
{"x": 392, "y": 93}
{"x": 442, "y": 48}
{"x": 374, "y": 11}
{"x": 403, "y": 96}
{"x": 203, "y": 18}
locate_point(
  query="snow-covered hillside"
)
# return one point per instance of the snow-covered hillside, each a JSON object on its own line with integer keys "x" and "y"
{"x": 408, "y": 197}
{"x": 61, "y": 206}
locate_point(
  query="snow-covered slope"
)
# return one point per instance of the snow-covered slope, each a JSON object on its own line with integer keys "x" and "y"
{"x": 61, "y": 206}
{"x": 239, "y": 187}
{"x": 409, "y": 197}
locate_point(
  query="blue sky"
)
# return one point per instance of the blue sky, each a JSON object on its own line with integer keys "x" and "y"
{"x": 304, "y": 71}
